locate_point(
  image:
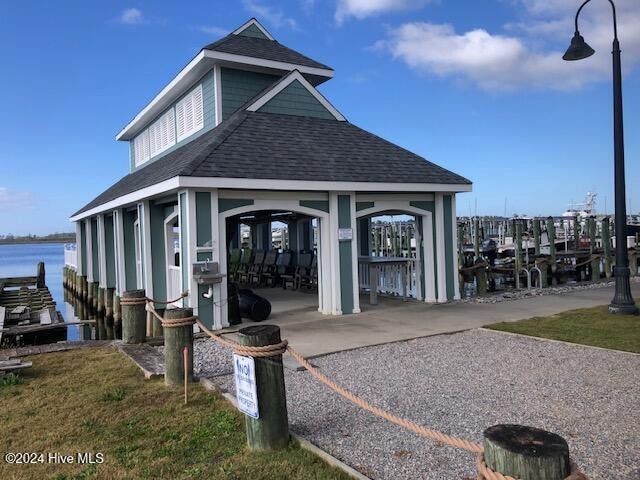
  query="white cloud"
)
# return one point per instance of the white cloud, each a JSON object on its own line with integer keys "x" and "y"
{"x": 277, "y": 18}
{"x": 527, "y": 54}
{"x": 131, "y": 16}
{"x": 10, "y": 199}
{"x": 364, "y": 8}
{"x": 213, "y": 30}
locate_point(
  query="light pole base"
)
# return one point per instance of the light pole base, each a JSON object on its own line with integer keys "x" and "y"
{"x": 623, "y": 303}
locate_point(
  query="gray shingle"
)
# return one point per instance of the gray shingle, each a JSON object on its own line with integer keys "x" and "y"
{"x": 262, "y": 48}
{"x": 257, "y": 145}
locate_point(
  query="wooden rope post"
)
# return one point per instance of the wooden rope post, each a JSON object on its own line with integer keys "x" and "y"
{"x": 175, "y": 339}
{"x": 117, "y": 317}
{"x": 526, "y": 453}
{"x": 536, "y": 236}
{"x": 100, "y": 301}
{"x": 133, "y": 316}
{"x": 271, "y": 430}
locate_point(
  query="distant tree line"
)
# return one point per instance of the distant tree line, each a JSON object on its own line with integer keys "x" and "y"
{"x": 61, "y": 237}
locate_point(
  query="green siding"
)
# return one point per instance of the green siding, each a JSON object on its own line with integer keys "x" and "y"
{"x": 364, "y": 205}
{"x": 448, "y": 246}
{"x": 83, "y": 242}
{"x": 344, "y": 249}
{"x": 295, "y": 99}
{"x": 158, "y": 252}
{"x": 225, "y": 204}
{"x": 184, "y": 263}
{"x": 238, "y": 86}
{"x": 128, "y": 219}
{"x": 203, "y": 219}
{"x": 253, "y": 31}
{"x": 316, "y": 204}
{"x": 110, "y": 251}
{"x": 364, "y": 233}
{"x": 95, "y": 254}
{"x": 209, "y": 117}
{"x": 430, "y": 206}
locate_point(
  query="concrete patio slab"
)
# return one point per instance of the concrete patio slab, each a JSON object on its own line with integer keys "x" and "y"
{"x": 393, "y": 320}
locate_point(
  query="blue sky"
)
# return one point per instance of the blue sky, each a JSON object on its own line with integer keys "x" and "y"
{"x": 476, "y": 86}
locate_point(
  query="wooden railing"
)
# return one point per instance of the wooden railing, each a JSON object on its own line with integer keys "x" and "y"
{"x": 393, "y": 277}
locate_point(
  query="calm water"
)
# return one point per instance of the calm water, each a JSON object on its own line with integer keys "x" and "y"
{"x": 21, "y": 260}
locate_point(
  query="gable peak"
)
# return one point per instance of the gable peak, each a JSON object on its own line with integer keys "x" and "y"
{"x": 253, "y": 28}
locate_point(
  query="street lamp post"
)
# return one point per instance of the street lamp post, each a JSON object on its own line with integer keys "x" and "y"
{"x": 622, "y": 302}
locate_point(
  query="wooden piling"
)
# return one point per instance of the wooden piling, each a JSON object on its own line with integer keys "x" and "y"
{"x": 536, "y": 236}
{"x": 108, "y": 313}
{"x": 517, "y": 243}
{"x": 551, "y": 234}
{"x": 90, "y": 294}
{"x": 134, "y": 317}
{"x": 271, "y": 430}
{"x": 632, "y": 255}
{"x": 606, "y": 247}
{"x": 481, "y": 277}
{"x": 100, "y": 301}
{"x": 476, "y": 239}
{"x": 175, "y": 339}
{"x": 526, "y": 453}
{"x": 117, "y": 317}
{"x": 40, "y": 276}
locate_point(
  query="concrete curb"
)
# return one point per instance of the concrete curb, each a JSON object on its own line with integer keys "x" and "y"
{"x": 551, "y": 340}
{"x": 304, "y": 443}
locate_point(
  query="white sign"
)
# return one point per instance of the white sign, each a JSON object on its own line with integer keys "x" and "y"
{"x": 345, "y": 234}
{"x": 246, "y": 391}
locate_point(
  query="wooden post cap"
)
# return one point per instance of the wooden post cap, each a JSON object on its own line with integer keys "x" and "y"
{"x": 526, "y": 453}
{"x": 133, "y": 294}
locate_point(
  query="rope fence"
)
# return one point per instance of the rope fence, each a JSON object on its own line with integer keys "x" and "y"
{"x": 483, "y": 471}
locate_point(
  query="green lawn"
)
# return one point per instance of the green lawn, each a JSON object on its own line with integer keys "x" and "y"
{"x": 587, "y": 326}
{"x": 97, "y": 401}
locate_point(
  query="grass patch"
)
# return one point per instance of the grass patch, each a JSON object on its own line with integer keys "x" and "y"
{"x": 10, "y": 380}
{"x": 113, "y": 395}
{"x": 96, "y": 401}
{"x": 587, "y": 326}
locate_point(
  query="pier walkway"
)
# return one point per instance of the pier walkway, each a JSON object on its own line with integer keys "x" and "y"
{"x": 314, "y": 334}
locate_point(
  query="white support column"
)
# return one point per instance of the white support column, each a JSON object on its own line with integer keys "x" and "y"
{"x": 102, "y": 254}
{"x": 192, "y": 256}
{"x": 79, "y": 248}
{"x": 420, "y": 259}
{"x": 454, "y": 236}
{"x": 220, "y": 310}
{"x": 440, "y": 247}
{"x": 118, "y": 232}
{"x": 429, "y": 263}
{"x": 145, "y": 243}
{"x": 354, "y": 254}
{"x": 89, "y": 241}
{"x": 325, "y": 285}
{"x": 336, "y": 295}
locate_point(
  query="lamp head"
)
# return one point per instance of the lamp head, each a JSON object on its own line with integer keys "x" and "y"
{"x": 578, "y": 49}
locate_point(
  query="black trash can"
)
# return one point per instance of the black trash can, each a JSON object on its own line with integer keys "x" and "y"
{"x": 233, "y": 304}
{"x": 252, "y": 306}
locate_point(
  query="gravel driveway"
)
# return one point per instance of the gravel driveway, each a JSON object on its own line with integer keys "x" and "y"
{"x": 461, "y": 384}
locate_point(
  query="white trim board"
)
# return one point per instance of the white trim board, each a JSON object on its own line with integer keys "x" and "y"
{"x": 257, "y": 184}
{"x": 292, "y": 77}
{"x": 255, "y": 22}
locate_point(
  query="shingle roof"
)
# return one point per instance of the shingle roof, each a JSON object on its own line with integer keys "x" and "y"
{"x": 257, "y": 145}
{"x": 262, "y": 48}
